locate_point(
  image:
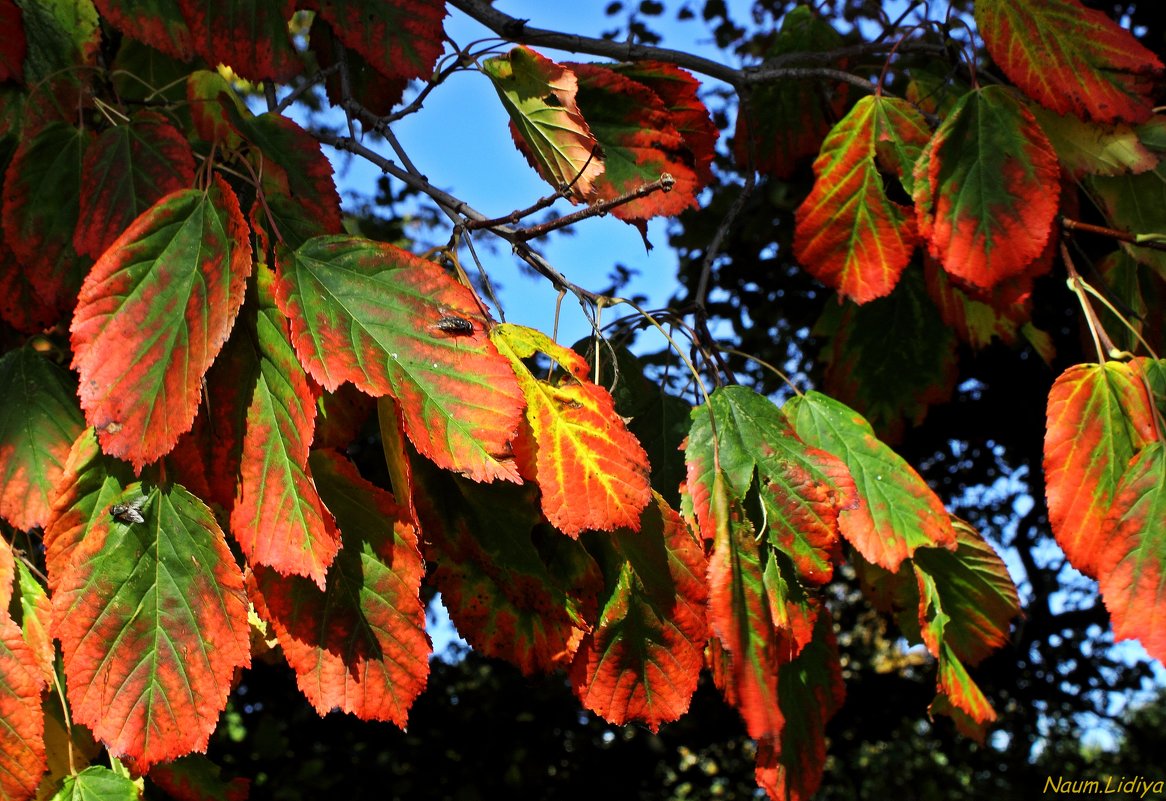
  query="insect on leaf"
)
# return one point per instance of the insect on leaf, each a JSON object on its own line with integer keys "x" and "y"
{"x": 592, "y": 472}
{"x": 152, "y": 620}
{"x": 366, "y": 312}
{"x": 540, "y": 97}
{"x": 153, "y": 314}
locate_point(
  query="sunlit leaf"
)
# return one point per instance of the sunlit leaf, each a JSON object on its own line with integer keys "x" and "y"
{"x": 39, "y": 419}
{"x": 367, "y": 312}
{"x": 359, "y": 644}
{"x": 644, "y": 657}
{"x": 1132, "y": 543}
{"x": 22, "y": 748}
{"x": 153, "y": 314}
{"x": 97, "y": 783}
{"x": 249, "y": 37}
{"x": 897, "y": 511}
{"x": 35, "y": 618}
{"x": 593, "y": 474}
{"x": 986, "y": 188}
{"x": 803, "y": 489}
{"x": 152, "y": 620}
{"x": 850, "y": 235}
{"x": 1097, "y": 420}
{"x": 128, "y": 169}
{"x": 540, "y": 97}
{"x": 1070, "y": 58}
{"x": 278, "y": 517}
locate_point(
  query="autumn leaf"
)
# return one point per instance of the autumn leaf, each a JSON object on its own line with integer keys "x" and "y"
{"x": 1097, "y": 421}
{"x": 639, "y": 143}
{"x": 643, "y": 659}
{"x": 152, "y": 620}
{"x": 251, "y": 38}
{"x": 359, "y": 644}
{"x": 987, "y": 188}
{"x": 196, "y": 778}
{"x": 897, "y": 511}
{"x": 22, "y": 748}
{"x": 366, "y": 85}
{"x": 42, "y": 187}
{"x": 803, "y": 489}
{"x": 540, "y": 97}
{"x": 34, "y": 618}
{"x": 979, "y": 317}
{"x": 1086, "y": 148}
{"x": 278, "y": 518}
{"x": 1070, "y": 58}
{"x": 592, "y": 473}
{"x": 39, "y": 420}
{"x": 63, "y": 39}
{"x": 368, "y": 313}
{"x": 14, "y": 46}
{"x": 153, "y": 314}
{"x": 158, "y": 23}
{"x": 1130, "y": 563}
{"x": 514, "y": 588}
{"x": 850, "y": 235}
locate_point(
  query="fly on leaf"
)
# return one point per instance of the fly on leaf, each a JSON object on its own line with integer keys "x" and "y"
{"x": 454, "y": 325}
{"x": 128, "y": 513}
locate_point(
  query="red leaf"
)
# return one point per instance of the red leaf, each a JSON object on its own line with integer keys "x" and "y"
{"x": 360, "y": 644}
{"x": 20, "y": 305}
{"x": 152, "y": 620}
{"x": 368, "y": 313}
{"x": 1132, "y": 543}
{"x": 1070, "y": 58}
{"x": 541, "y": 98}
{"x": 158, "y": 23}
{"x": 639, "y": 141}
{"x": 1098, "y": 419}
{"x": 13, "y": 46}
{"x": 593, "y": 474}
{"x": 643, "y": 659}
{"x": 278, "y": 517}
{"x": 979, "y": 317}
{"x": 366, "y": 84}
{"x": 249, "y": 36}
{"x": 849, "y": 234}
{"x": 986, "y": 231}
{"x": 897, "y": 512}
{"x": 22, "y": 747}
{"x": 41, "y": 191}
{"x": 196, "y": 778}
{"x": 400, "y": 38}
{"x": 515, "y": 589}
{"x": 7, "y": 574}
{"x": 789, "y": 767}
{"x": 153, "y": 314}
{"x": 126, "y": 171}
{"x": 39, "y": 420}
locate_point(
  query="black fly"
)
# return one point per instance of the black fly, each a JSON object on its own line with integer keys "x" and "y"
{"x": 457, "y": 326}
{"x": 128, "y": 513}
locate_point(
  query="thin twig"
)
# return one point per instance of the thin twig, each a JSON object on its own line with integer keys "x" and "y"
{"x": 1112, "y": 233}
{"x": 662, "y": 184}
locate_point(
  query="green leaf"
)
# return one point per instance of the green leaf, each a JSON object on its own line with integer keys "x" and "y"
{"x": 39, "y": 420}
{"x": 152, "y": 620}
{"x": 97, "y": 783}
{"x": 539, "y": 95}
{"x": 987, "y": 188}
{"x": 153, "y": 314}
{"x": 1136, "y": 204}
{"x": 897, "y": 511}
{"x": 368, "y": 313}
{"x": 1086, "y": 148}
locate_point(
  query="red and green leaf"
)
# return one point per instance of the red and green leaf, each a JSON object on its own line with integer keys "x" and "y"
{"x": 897, "y": 511}
{"x": 153, "y": 314}
{"x": 39, "y": 420}
{"x": 401, "y": 39}
{"x": 196, "y": 778}
{"x": 249, "y": 37}
{"x": 158, "y": 23}
{"x": 850, "y": 235}
{"x": 22, "y": 746}
{"x": 42, "y": 187}
{"x": 789, "y": 767}
{"x": 367, "y": 312}
{"x": 278, "y": 518}
{"x": 35, "y": 618}
{"x": 592, "y": 473}
{"x": 63, "y": 38}
{"x": 644, "y": 657}
{"x": 13, "y": 47}
{"x": 97, "y": 783}
{"x": 803, "y": 489}
{"x": 152, "y": 620}
{"x": 128, "y": 169}
{"x": 987, "y": 188}
{"x": 639, "y": 143}
{"x": 1097, "y": 421}
{"x": 540, "y": 97}
{"x": 979, "y": 317}
{"x": 1086, "y": 148}
{"x": 515, "y": 588}
{"x": 1070, "y": 58}
{"x": 1131, "y": 563}
{"x": 366, "y": 84}
{"x": 360, "y": 643}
